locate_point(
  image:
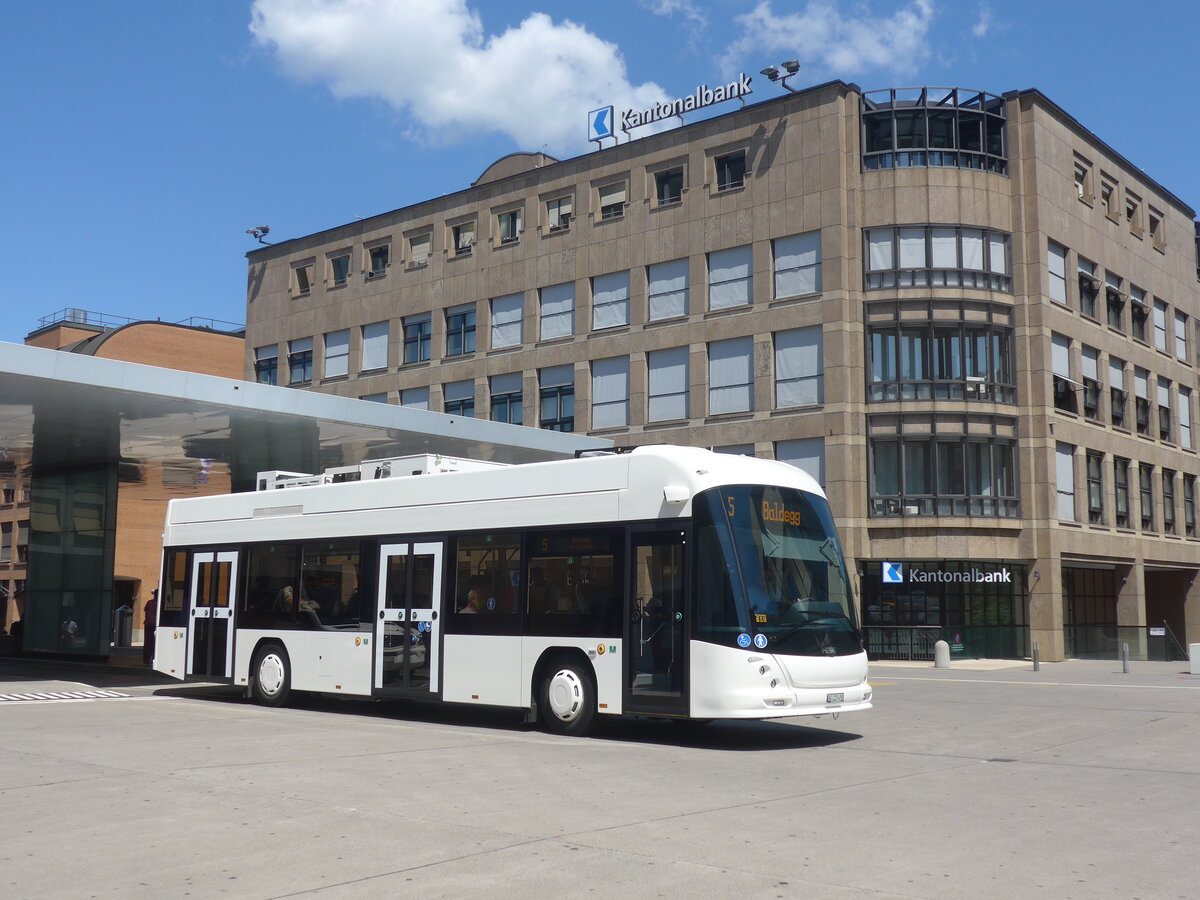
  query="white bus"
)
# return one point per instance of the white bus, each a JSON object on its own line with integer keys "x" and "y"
{"x": 662, "y": 581}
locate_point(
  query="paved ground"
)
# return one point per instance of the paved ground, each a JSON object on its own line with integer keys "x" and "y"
{"x": 1075, "y": 781}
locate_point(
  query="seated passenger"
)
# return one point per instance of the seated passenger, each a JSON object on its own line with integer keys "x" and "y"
{"x": 474, "y": 602}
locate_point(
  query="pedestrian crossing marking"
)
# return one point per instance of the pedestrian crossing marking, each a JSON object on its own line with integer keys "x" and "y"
{"x": 63, "y": 695}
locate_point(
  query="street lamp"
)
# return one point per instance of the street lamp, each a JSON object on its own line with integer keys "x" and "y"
{"x": 790, "y": 67}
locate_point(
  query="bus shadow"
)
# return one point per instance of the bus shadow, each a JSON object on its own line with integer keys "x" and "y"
{"x": 722, "y": 735}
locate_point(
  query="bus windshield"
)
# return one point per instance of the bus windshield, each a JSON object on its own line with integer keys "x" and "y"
{"x": 780, "y": 576}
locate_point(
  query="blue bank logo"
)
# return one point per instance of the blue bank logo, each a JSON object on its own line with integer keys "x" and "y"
{"x": 893, "y": 573}
{"x": 600, "y": 123}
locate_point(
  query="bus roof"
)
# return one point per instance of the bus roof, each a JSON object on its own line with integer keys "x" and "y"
{"x": 650, "y": 482}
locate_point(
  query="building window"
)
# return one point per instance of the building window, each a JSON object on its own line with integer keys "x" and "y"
{"x": 612, "y": 201}
{"x": 730, "y": 278}
{"x": 1133, "y": 213}
{"x": 731, "y": 376}
{"x": 947, "y": 473}
{"x": 300, "y": 361}
{"x": 458, "y": 399}
{"x": 1091, "y": 382}
{"x": 1164, "y": 409}
{"x": 415, "y": 398}
{"x": 1089, "y": 286}
{"x": 557, "y": 311}
{"x": 418, "y": 338}
{"x": 797, "y": 262}
{"x": 1141, "y": 394}
{"x": 1189, "y": 505}
{"x": 955, "y": 127}
{"x": 1160, "y": 326}
{"x": 1140, "y": 313}
{"x": 668, "y": 186}
{"x": 266, "y": 364}
{"x": 1095, "y": 486}
{"x": 460, "y": 330}
{"x": 508, "y": 320}
{"x": 337, "y": 354}
{"x": 668, "y": 289}
{"x": 302, "y": 279}
{"x": 1064, "y": 469}
{"x": 1146, "y": 493}
{"x": 610, "y": 392}
{"x": 462, "y": 238}
{"x": 1108, "y": 197}
{"x": 558, "y": 213}
{"x": 506, "y": 398}
{"x": 378, "y": 260}
{"x": 509, "y": 226}
{"x": 1117, "y": 393}
{"x": 381, "y": 397}
{"x": 1056, "y": 262}
{"x": 1083, "y": 180}
{"x": 1183, "y": 401}
{"x": 940, "y": 256}
{"x": 556, "y": 398}
{"x": 339, "y": 269}
{"x": 1181, "y": 342}
{"x": 1115, "y": 300}
{"x": 610, "y": 300}
{"x": 1065, "y": 387}
{"x": 6, "y": 531}
{"x": 1121, "y": 490}
{"x": 799, "y": 368}
{"x": 940, "y": 360}
{"x": 731, "y": 170}
{"x": 1155, "y": 223}
{"x": 667, "y": 388}
{"x": 1168, "y": 501}
{"x": 420, "y": 246}
{"x": 807, "y": 454}
{"x": 374, "y": 346}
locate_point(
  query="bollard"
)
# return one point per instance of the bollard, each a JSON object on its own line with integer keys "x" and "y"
{"x": 1037, "y": 657}
{"x": 1194, "y": 657}
{"x": 941, "y": 655}
{"x": 1125, "y": 657}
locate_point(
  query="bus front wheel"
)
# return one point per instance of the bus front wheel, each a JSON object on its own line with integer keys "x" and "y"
{"x": 568, "y": 697}
{"x": 272, "y": 675}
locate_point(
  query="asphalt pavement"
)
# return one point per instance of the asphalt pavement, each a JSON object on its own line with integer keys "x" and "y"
{"x": 987, "y": 780}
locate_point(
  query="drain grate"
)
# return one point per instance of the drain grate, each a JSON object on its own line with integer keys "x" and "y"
{"x": 63, "y": 695}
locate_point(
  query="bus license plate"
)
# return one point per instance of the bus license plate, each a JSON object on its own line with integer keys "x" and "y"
{"x": 834, "y": 698}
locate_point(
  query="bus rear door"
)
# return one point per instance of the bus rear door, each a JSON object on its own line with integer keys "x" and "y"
{"x": 210, "y": 615}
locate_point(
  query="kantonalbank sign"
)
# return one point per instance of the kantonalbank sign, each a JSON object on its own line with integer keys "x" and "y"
{"x": 601, "y": 123}
{"x": 900, "y": 573}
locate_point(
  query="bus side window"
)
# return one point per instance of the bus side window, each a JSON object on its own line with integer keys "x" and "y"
{"x": 272, "y": 590}
{"x": 483, "y": 598}
{"x": 174, "y": 598}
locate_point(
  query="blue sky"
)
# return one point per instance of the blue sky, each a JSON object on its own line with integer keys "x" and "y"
{"x": 144, "y": 137}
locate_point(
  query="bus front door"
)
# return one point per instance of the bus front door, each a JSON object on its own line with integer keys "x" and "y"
{"x": 210, "y": 617}
{"x": 407, "y": 632}
{"x": 656, "y": 633}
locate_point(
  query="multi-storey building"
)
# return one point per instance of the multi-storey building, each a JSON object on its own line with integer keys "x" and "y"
{"x": 968, "y": 316}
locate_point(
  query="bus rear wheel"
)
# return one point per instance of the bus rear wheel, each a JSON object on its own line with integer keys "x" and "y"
{"x": 567, "y": 697}
{"x": 272, "y": 677}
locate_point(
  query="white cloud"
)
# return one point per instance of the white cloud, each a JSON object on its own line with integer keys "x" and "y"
{"x": 433, "y": 61}
{"x": 984, "y": 24}
{"x": 686, "y": 8}
{"x": 826, "y": 40}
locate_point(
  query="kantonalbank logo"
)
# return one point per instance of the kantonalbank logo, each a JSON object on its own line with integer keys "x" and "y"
{"x": 777, "y": 512}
